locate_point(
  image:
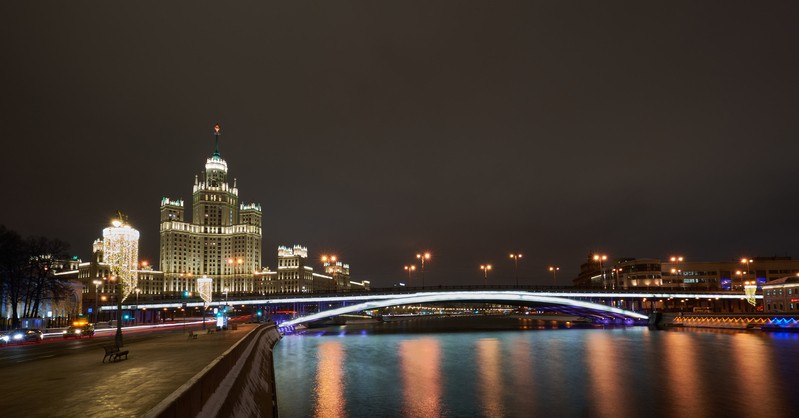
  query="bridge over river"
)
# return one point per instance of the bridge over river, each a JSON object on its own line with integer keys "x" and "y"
{"x": 604, "y": 306}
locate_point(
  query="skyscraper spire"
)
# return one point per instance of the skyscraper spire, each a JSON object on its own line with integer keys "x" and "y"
{"x": 216, "y": 134}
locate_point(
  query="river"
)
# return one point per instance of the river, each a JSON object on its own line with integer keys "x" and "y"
{"x": 618, "y": 372}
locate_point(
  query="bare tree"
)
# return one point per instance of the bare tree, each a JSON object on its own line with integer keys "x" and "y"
{"x": 12, "y": 264}
{"x": 27, "y": 272}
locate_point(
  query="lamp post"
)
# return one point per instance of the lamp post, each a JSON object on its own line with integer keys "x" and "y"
{"x": 747, "y": 261}
{"x": 601, "y": 258}
{"x": 423, "y": 256}
{"x": 515, "y": 258}
{"x": 410, "y": 269}
{"x": 118, "y": 336}
{"x": 96, "y": 300}
{"x": 485, "y": 268}
{"x": 136, "y": 312}
{"x": 554, "y": 270}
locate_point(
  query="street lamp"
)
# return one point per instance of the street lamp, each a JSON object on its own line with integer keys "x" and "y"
{"x": 616, "y": 278}
{"x": 118, "y": 336}
{"x": 410, "y": 269}
{"x": 423, "y": 256}
{"x": 485, "y": 268}
{"x": 96, "y": 300}
{"x": 747, "y": 261}
{"x": 515, "y": 258}
{"x": 554, "y": 270}
{"x": 137, "y": 305}
{"x": 601, "y": 258}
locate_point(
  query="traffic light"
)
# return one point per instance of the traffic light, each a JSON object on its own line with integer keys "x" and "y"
{"x": 126, "y": 316}
{"x": 186, "y": 293}
{"x": 260, "y": 313}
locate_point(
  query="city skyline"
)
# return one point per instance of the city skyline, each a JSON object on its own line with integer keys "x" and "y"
{"x": 469, "y": 132}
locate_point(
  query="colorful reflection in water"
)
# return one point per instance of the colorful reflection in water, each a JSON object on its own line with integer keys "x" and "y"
{"x": 421, "y": 377}
{"x": 489, "y": 376}
{"x": 683, "y": 376}
{"x": 605, "y": 376}
{"x": 329, "y": 391}
{"x": 621, "y": 373}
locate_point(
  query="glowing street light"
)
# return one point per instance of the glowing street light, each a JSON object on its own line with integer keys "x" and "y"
{"x": 423, "y": 256}
{"x": 485, "y": 268}
{"x": 515, "y": 258}
{"x": 410, "y": 269}
{"x": 600, "y": 258}
{"x": 554, "y": 270}
{"x": 747, "y": 261}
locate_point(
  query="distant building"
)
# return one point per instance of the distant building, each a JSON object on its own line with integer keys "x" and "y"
{"x": 222, "y": 241}
{"x": 781, "y": 295}
{"x": 631, "y": 273}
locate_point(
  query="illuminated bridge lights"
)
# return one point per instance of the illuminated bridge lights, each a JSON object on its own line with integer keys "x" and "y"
{"x": 576, "y": 307}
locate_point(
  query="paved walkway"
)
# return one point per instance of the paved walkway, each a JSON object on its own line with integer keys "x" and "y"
{"x": 80, "y": 385}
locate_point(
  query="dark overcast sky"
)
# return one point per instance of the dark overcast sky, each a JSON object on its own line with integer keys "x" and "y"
{"x": 373, "y": 130}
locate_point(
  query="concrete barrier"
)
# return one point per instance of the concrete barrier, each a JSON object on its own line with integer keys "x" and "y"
{"x": 240, "y": 382}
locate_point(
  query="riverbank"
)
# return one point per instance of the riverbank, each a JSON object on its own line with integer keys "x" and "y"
{"x": 762, "y": 322}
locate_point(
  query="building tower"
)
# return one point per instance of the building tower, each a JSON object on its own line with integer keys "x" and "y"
{"x": 223, "y": 240}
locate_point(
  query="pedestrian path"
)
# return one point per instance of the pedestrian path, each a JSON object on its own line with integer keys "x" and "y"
{"x": 80, "y": 385}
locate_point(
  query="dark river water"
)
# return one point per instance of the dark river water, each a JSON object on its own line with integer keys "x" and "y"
{"x": 621, "y": 372}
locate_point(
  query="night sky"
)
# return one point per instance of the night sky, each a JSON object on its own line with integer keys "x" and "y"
{"x": 374, "y": 130}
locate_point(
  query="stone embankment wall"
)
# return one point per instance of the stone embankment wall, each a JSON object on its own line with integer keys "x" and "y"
{"x": 768, "y": 322}
{"x": 241, "y": 382}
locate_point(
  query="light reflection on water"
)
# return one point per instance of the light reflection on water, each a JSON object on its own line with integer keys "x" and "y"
{"x": 565, "y": 373}
{"x": 421, "y": 377}
{"x": 329, "y": 391}
{"x": 489, "y": 371}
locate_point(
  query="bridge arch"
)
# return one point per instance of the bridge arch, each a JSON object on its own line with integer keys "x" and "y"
{"x": 594, "y": 311}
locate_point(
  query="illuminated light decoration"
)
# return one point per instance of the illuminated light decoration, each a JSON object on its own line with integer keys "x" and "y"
{"x": 205, "y": 287}
{"x": 121, "y": 252}
{"x": 750, "y": 290}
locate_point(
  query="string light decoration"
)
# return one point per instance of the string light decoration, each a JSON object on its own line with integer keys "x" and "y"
{"x": 205, "y": 287}
{"x": 121, "y": 252}
{"x": 750, "y": 289}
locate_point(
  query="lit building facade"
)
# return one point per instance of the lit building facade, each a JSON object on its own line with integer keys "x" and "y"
{"x": 221, "y": 241}
{"x": 680, "y": 274}
{"x": 295, "y": 275}
{"x": 781, "y": 295}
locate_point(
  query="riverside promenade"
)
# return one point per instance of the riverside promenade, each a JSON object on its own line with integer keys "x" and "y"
{"x": 68, "y": 378}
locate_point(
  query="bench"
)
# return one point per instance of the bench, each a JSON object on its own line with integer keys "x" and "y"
{"x": 192, "y": 335}
{"x": 112, "y": 353}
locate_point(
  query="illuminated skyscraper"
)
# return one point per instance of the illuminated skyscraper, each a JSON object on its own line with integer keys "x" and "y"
{"x": 222, "y": 241}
